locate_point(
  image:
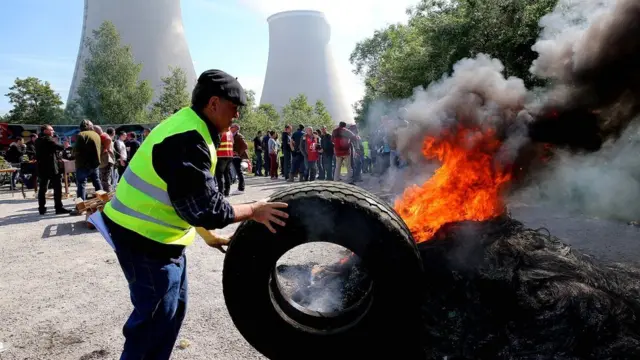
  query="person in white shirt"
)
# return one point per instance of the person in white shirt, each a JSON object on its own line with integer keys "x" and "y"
{"x": 274, "y": 147}
{"x": 121, "y": 153}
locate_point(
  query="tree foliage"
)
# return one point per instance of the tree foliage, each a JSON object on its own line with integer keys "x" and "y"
{"x": 257, "y": 118}
{"x": 299, "y": 111}
{"x": 110, "y": 91}
{"x": 396, "y": 60}
{"x": 174, "y": 93}
{"x": 34, "y": 102}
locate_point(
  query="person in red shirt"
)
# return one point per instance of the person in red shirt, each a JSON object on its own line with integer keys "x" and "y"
{"x": 342, "y": 139}
{"x": 310, "y": 153}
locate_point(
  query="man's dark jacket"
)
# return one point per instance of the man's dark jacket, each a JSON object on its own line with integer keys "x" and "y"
{"x": 47, "y": 152}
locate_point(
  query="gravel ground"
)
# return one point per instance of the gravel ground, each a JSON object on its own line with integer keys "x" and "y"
{"x": 63, "y": 295}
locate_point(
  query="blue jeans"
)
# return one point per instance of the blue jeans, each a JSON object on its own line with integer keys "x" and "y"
{"x": 81, "y": 181}
{"x": 297, "y": 165}
{"x": 357, "y": 167}
{"x": 328, "y": 166}
{"x": 286, "y": 164}
{"x": 258, "y": 169}
{"x": 158, "y": 289}
{"x": 311, "y": 170}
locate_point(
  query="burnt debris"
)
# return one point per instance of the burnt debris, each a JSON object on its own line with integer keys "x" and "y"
{"x": 497, "y": 290}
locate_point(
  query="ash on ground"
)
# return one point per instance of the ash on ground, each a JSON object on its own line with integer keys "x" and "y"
{"x": 331, "y": 286}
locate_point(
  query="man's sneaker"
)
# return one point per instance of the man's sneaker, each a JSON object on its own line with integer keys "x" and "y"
{"x": 42, "y": 211}
{"x": 238, "y": 192}
{"x": 62, "y": 211}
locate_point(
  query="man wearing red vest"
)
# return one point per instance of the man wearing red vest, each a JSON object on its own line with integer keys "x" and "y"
{"x": 225, "y": 156}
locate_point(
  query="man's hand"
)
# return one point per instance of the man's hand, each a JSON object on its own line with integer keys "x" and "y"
{"x": 267, "y": 213}
{"x": 212, "y": 239}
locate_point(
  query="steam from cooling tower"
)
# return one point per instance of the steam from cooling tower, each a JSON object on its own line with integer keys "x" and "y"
{"x": 301, "y": 62}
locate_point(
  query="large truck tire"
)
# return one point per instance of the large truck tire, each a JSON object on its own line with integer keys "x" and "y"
{"x": 387, "y": 321}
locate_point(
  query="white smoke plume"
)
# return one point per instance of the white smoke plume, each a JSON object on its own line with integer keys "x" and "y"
{"x": 589, "y": 50}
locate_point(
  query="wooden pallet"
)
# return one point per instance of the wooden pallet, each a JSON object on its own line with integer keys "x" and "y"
{"x": 89, "y": 207}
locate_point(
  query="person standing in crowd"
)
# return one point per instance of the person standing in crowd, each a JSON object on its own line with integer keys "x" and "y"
{"x": 107, "y": 159}
{"x": 366, "y": 160}
{"x": 309, "y": 149}
{"x": 357, "y": 154}
{"x": 383, "y": 148}
{"x": 273, "y": 154}
{"x": 257, "y": 150}
{"x": 319, "y": 165}
{"x": 48, "y": 159}
{"x": 121, "y": 152}
{"x": 173, "y": 173}
{"x": 111, "y": 132}
{"x": 297, "y": 159}
{"x": 223, "y": 165}
{"x": 67, "y": 153}
{"x": 145, "y": 133}
{"x": 286, "y": 151}
{"x": 327, "y": 155}
{"x": 239, "y": 153}
{"x": 31, "y": 146}
{"x": 87, "y": 151}
{"x": 264, "y": 141}
{"x": 14, "y": 156}
{"x": 342, "y": 139}
{"x": 132, "y": 145}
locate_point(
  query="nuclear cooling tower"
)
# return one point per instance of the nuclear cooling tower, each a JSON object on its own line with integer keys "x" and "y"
{"x": 300, "y": 61}
{"x": 153, "y": 29}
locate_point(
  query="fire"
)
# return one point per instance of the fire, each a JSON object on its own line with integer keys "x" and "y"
{"x": 467, "y": 185}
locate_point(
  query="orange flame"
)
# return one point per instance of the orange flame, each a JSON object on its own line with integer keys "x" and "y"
{"x": 467, "y": 185}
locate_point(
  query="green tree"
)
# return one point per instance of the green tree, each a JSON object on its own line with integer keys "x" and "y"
{"x": 271, "y": 113}
{"x": 174, "y": 93}
{"x": 298, "y": 111}
{"x": 73, "y": 112}
{"x": 257, "y": 118}
{"x": 396, "y": 60}
{"x": 111, "y": 91}
{"x": 34, "y": 102}
{"x": 321, "y": 116}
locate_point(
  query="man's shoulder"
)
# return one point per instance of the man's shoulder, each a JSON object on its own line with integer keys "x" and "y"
{"x": 92, "y": 135}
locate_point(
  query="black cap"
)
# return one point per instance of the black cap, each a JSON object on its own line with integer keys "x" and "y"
{"x": 221, "y": 84}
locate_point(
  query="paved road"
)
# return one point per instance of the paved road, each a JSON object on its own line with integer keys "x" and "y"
{"x": 63, "y": 296}
{"x": 605, "y": 239}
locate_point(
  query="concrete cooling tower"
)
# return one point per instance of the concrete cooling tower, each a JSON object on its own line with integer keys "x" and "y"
{"x": 300, "y": 61}
{"x": 153, "y": 29}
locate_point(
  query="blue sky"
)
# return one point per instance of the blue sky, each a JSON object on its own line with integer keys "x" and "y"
{"x": 41, "y": 37}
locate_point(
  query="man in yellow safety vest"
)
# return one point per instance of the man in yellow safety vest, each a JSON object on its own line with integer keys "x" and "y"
{"x": 168, "y": 189}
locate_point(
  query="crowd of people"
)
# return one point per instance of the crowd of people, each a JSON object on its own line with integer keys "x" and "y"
{"x": 100, "y": 157}
{"x": 306, "y": 154}
{"x": 309, "y": 154}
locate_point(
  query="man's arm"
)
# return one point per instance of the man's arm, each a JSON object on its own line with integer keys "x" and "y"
{"x": 183, "y": 162}
{"x": 55, "y": 146}
{"x": 303, "y": 148}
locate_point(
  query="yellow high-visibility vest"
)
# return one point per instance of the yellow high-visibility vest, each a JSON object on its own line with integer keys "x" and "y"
{"x": 141, "y": 202}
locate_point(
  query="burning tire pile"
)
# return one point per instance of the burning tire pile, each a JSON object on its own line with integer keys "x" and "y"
{"x": 475, "y": 290}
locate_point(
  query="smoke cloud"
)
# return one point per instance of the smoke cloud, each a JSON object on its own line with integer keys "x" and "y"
{"x": 589, "y": 51}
